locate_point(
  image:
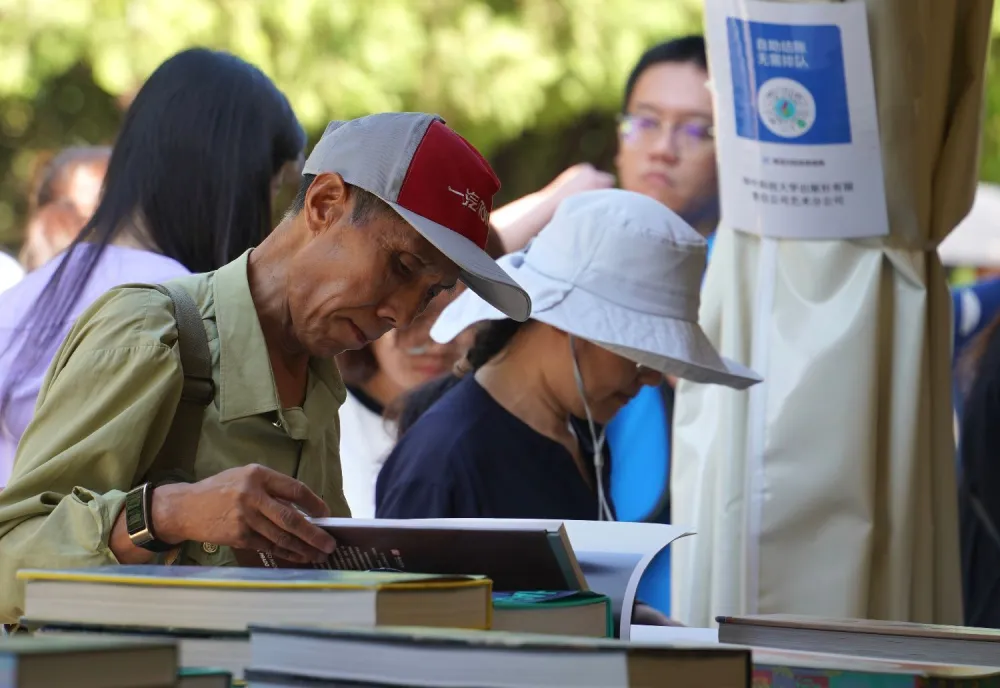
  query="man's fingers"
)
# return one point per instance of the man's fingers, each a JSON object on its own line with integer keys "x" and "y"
{"x": 262, "y": 544}
{"x": 288, "y": 519}
{"x": 281, "y": 540}
{"x": 291, "y": 490}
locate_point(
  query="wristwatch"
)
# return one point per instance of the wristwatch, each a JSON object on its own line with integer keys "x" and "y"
{"x": 139, "y": 519}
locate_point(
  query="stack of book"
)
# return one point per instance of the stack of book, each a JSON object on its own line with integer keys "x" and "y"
{"x": 474, "y": 579}
{"x": 885, "y": 639}
{"x": 207, "y": 611}
{"x": 288, "y": 657}
{"x": 850, "y": 653}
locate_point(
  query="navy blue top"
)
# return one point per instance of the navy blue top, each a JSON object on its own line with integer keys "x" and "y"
{"x": 468, "y": 457}
{"x": 979, "y": 492}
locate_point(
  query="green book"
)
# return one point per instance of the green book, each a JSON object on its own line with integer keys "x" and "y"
{"x": 204, "y": 678}
{"x": 564, "y": 612}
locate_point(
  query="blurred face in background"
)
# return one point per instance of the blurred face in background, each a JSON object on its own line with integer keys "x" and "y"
{"x": 409, "y": 357}
{"x": 666, "y": 148}
{"x": 84, "y": 187}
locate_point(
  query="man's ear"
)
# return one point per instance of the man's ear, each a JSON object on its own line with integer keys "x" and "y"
{"x": 327, "y": 202}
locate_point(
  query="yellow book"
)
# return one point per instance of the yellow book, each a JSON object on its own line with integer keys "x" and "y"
{"x": 230, "y": 599}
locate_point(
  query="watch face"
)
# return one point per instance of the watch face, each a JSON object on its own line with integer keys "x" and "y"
{"x": 134, "y": 517}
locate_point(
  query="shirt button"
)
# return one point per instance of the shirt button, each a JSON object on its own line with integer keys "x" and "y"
{"x": 209, "y": 547}
{"x": 277, "y": 424}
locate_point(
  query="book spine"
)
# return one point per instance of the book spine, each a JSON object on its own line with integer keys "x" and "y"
{"x": 559, "y": 552}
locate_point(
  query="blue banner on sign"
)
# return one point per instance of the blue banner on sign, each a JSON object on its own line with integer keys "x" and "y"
{"x": 788, "y": 83}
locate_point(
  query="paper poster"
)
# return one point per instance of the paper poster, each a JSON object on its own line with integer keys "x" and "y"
{"x": 796, "y": 123}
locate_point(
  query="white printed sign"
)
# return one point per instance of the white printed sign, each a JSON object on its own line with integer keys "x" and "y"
{"x": 796, "y": 122}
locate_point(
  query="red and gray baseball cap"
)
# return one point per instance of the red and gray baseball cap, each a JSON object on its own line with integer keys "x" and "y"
{"x": 436, "y": 180}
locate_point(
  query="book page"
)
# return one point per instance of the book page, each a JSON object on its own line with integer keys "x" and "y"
{"x": 615, "y": 554}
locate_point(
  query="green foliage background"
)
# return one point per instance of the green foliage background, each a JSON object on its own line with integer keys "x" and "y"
{"x": 534, "y": 83}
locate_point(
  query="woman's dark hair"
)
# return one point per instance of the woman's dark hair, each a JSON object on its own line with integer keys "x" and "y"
{"x": 190, "y": 171}
{"x": 684, "y": 50}
{"x": 492, "y": 337}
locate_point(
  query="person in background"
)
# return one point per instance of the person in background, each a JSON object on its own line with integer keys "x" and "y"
{"x": 520, "y": 433}
{"x": 974, "y": 307}
{"x": 979, "y": 478}
{"x": 378, "y": 375}
{"x": 666, "y": 146}
{"x": 64, "y": 196}
{"x": 206, "y": 125}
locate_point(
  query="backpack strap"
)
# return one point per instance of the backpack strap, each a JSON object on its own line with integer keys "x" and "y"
{"x": 175, "y": 460}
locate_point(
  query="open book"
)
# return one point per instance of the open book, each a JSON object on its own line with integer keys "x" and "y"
{"x": 608, "y": 557}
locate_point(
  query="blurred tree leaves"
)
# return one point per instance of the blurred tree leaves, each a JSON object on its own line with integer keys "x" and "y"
{"x": 493, "y": 68}
{"x": 533, "y": 83}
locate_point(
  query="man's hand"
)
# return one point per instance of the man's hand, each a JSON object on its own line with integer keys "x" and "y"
{"x": 250, "y": 507}
{"x": 580, "y": 177}
{"x": 518, "y": 222}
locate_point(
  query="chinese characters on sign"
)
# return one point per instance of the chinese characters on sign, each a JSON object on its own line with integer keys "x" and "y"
{"x": 797, "y": 134}
{"x": 774, "y": 53}
{"x": 797, "y": 195}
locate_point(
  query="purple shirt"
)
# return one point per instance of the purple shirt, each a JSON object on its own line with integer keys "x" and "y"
{"x": 117, "y": 266}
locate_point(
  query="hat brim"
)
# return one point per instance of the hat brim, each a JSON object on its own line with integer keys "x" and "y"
{"x": 479, "y": 272}
{"x": 668, "y": 345}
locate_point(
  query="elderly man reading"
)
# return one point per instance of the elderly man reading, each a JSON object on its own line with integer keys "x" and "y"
{"x": 393, "y": 209}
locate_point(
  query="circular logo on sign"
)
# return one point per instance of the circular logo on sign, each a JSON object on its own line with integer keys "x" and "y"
{"x": 786, "y": 107}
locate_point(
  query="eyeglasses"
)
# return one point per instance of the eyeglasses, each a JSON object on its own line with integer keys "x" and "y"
{"x": 685, "y": 136}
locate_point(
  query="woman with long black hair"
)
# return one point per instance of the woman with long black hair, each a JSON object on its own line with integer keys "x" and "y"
{"x": 189, "y": 188}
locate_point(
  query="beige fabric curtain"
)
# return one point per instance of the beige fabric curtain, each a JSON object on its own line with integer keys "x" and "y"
{"x": 831, "y": 489}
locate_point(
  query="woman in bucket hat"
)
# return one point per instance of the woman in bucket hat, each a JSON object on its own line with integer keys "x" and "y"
{"x": 614, "y": 282}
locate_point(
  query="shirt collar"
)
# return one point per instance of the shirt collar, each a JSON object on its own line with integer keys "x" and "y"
{"x": 246, "y": 382}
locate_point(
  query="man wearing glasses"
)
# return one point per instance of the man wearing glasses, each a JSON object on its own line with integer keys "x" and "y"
{"x": 666, "y": 147}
